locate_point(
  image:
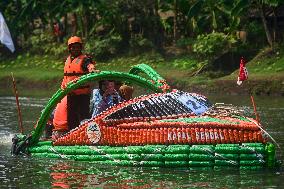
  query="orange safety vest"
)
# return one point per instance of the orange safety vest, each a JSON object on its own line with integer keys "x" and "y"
{"x": 73, "y": 70}
{"x": 60, "y": 116}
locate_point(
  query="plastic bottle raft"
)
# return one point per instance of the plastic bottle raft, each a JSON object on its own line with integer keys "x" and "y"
{"x": 169, "y": 129}
{"x": 244, "y": 156}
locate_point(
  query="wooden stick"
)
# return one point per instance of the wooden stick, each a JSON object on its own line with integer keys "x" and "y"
{"x": 20, "y": 122}
{"x": 254, "y": 109}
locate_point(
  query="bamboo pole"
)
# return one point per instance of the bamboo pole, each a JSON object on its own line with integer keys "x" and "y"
{"x": 20, "y": 122}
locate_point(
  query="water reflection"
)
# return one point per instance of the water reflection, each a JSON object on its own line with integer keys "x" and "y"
{"x": 86, "y": 175}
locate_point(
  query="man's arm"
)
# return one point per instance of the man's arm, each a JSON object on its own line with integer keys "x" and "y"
{"x": 89, "y": 65}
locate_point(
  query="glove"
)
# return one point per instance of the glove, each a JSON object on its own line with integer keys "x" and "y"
{"x": 91, "y": 68}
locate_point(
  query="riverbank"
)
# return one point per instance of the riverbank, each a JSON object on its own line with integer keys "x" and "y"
{"x": 41, "y": 75}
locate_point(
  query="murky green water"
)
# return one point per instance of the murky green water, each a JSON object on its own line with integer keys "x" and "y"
{"x": 25, "y": 172}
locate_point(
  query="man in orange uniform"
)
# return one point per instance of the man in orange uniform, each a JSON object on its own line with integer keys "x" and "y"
{"x": 76, "y": 65}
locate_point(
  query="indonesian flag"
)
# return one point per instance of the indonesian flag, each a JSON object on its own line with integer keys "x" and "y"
{"x": 243, "y": 74}
{"x": 5, "y": 36}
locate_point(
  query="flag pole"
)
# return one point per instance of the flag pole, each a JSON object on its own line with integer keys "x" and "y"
{"x": 254, "y": 109}
{"x": 20, "y": 122}
{"x": 243, "y": 75}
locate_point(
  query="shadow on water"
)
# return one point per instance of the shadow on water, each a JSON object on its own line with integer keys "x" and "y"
{"x": 27, "y": 172}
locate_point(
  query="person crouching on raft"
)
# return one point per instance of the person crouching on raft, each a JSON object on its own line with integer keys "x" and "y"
{"x": 104, "y": 97}
{"x": 126, "y": 92}
{"x": 78, "y": 101}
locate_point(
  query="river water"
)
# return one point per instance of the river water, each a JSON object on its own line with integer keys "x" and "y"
{"x": 26, "y": 172}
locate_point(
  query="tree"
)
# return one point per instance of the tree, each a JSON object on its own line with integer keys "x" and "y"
{"x": 261, "y": 5}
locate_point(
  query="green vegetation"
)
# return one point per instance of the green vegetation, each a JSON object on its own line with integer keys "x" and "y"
{"x": 195, "y": 44}
{"x": 35, "y": 68}
{"x": 267, "y": 64}
{"x": 39, "y": 76}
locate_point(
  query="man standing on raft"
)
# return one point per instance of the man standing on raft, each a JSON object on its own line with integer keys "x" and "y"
{"x": 78, "y": 101}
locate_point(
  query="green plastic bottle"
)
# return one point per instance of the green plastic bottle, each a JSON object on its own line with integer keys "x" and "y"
{"x": 270, "y": 152}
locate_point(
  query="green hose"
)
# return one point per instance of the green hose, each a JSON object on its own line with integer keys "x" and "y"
{"x": 91, "y": 77}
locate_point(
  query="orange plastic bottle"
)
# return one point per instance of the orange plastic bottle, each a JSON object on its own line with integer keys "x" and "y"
{"x": 202, "y": 136}
{"x": 193, "y": 136}
{"x": 255, "y": 136}
{"x": 212, "y": 136}
{"x": 226, "y": 136}
{"x": 246, "y": 136}
{"x": 222, "y": 137}
{"x": 250, "y": 136}
{"x": 188, "y": 136}
{"x": 241, "y": 136}
{"x": 236, "y": 136}
{"x": 217, "y": 136}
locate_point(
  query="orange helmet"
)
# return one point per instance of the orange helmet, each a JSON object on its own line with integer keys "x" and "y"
{"x": 74, "y": 39}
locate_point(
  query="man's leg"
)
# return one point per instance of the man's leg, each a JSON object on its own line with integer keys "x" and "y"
{"x": 84, "y": 107}
{"x": 72, "y": 116}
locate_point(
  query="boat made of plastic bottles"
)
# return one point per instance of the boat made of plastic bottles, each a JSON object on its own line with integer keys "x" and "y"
{"x": 167, "y": 128}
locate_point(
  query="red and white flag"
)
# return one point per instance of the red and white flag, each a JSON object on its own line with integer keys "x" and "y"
{"x": 243, "y": 74}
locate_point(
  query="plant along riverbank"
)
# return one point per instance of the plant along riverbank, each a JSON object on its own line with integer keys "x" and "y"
{"x": 41, "y": 75}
